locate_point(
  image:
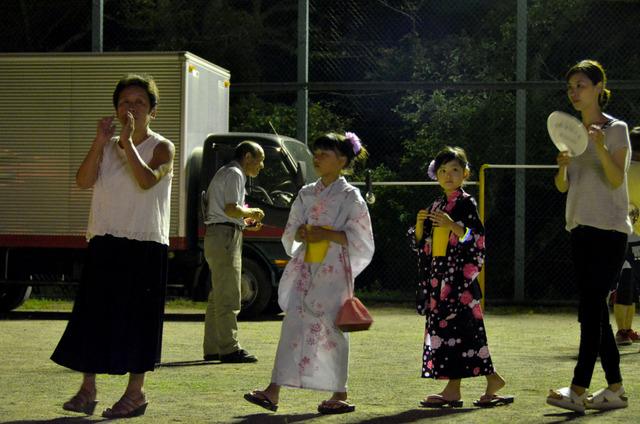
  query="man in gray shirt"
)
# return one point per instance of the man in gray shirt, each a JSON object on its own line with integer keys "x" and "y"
{"x": 226, "y": 218}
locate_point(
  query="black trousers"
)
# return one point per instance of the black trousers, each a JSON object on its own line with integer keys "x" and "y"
{"x": 598, "y": 256}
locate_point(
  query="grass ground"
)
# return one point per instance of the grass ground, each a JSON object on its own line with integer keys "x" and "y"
{"x": 534, "y": 351}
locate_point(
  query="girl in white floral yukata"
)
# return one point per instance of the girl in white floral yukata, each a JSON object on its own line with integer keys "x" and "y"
{"x": 449, "y": 240}
{"x": 313, "y": 353}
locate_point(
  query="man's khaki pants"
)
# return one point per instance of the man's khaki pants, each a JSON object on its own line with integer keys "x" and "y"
{"x": 223, "y": 252}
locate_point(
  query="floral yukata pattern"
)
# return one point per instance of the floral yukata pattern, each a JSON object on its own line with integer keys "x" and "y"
{"x": 448, "y": 293}
{"x": 312, "y": 352}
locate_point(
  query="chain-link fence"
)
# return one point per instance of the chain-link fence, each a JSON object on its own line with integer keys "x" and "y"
{"x": 408, "y": 76}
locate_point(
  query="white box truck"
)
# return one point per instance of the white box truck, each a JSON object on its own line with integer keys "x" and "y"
{"x": 48, "y": 112}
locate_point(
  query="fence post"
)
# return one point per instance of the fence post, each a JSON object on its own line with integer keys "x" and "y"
{"x": 96, "y": 25}
{"x": 481, "y": 204}
{"x": 521, "y": 138}
{"x": 302, "y": 103}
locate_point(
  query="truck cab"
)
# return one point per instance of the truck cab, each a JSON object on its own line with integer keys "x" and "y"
{"x": 288, "y": 165}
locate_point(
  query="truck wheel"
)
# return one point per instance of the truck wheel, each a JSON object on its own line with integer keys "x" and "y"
{"x": 13, "y": 296}
{"x": 255, "y": 289}
{"x": 200, "y": 290}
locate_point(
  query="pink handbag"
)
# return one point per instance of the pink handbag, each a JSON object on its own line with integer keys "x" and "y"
{"x": 353, "y": 316}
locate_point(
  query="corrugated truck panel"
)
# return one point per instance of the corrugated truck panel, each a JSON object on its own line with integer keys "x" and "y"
{"x": 48, "y": 118}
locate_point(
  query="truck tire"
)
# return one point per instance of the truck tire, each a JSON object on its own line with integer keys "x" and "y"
{"x": 255, "y": 286}
{"x": 13, "y": 296}
{"x": 255, "y": 289}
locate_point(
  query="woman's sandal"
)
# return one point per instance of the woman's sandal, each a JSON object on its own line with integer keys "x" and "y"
{"x": 84, "y": 401}
{"x": 127, "y": 407}
{"x": 605, "y": 399}
{"x": 489, "y": 401}
{"x": 567, "y": 399}
{"x": 258, "y": 397}
{"x": 439, "y": 401}
{"x": 333, "y": 406}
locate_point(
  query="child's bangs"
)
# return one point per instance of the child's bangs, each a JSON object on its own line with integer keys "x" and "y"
{"x": 325, "y": 143}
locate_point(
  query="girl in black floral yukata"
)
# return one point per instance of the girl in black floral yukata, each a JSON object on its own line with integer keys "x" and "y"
{"x": 449, "y": 240}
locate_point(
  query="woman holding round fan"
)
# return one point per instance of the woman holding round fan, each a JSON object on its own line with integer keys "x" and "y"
{"x": 598, "y": 221}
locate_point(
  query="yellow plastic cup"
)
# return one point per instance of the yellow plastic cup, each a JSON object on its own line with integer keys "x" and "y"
{"x": 440, "y": 241}
{"x": 317, "y": 250}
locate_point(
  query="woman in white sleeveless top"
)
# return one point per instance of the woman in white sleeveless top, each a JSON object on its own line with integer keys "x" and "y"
{"x": 116, "y": 323}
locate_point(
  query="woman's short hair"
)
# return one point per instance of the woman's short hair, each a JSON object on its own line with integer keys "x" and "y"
{"x": 146, "y": 82}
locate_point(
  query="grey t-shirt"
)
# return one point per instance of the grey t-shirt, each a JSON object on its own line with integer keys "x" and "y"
{"x": 591, "y": 200}
{"x": 226, "y": 187}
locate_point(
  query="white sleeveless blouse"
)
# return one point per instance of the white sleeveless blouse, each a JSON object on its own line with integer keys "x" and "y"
{"x": 120, "y": 207}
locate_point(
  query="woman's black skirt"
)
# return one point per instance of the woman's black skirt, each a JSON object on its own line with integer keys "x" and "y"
{"x": 116, "y": 322}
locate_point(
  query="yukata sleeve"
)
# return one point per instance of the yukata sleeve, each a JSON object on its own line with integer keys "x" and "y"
{"x": 296, "y": 218}
{"x": 415, "y": 245}
{"x": 359, "y": 234}
{"x": 422, "y": 248}
{"x": 470, "y": 247}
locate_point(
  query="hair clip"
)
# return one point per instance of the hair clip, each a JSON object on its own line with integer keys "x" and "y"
{"x": 431, "y": 171}
{"x": 355, "y": 142}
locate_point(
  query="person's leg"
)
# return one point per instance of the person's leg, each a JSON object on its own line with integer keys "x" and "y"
{"x": 135, "y": 386}
{"x": 620, "y": 314}
{"x": 89, "y": 384}
{"x": 223, "y": 252}
{"x": 587, "y": 261}
{"x": 85, "y": 399}
{"x": 609, "y": 271}
{"x": 226, "y": 259}
{"x": 495, "y": 382}
{"x": 267, "y": 398}
{"x": 133, "y": 402}
{"x": 210, "y": 343}
{"x": 452, "y": 390}
{"x": 272, "y": 393}
{"x": 624, "y": 302}
{"x": 631, "y": 311}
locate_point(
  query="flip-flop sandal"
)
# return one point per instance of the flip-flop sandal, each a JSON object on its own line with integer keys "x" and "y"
{"x": 264, "y": 402}
{"x": 437, "y": 401}
{"x": 493, "y": 400}
{"x": 343, "y": 407}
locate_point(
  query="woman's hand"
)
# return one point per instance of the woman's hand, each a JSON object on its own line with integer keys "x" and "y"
{"x": 563, "y": 159}
{"x": 252, "y": 225}
{"x": 441, "y": 219}
{"x": 301, "y": 233}
{"x": 128, "y": 128}
{"x": 106, "y": 129}
{"x": 422, "y": 215}
{"x": 596, "y": 135}
{"x": 316, "y": 233}
{"x": 561, "y": 179}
